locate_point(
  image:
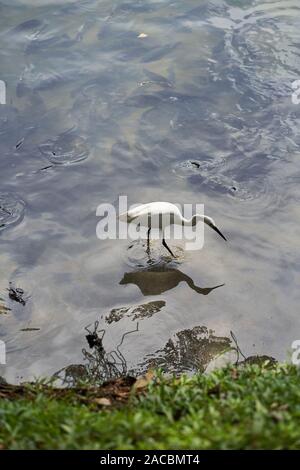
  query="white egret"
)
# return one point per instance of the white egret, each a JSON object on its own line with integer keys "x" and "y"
{"x": 159, "y": 215}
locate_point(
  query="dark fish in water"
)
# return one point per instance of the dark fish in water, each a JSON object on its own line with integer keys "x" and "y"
{"x": 158, "y": 79}
{"x": 27, "y": 26}
{"x": 158, "y": 52}
{"x": 42, "y": 44}
{"x": 29, "y": 329}
{"x": 143, "y": 101}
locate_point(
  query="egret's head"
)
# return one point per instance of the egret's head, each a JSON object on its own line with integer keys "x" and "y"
{"x": 211, "y": 223}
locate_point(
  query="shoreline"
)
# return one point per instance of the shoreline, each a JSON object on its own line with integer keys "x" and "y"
{"x": 237, "y": 407}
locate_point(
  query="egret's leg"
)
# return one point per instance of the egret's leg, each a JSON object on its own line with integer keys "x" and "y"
{"x": 148, "y": 241}
{"x": 166, "y": 246}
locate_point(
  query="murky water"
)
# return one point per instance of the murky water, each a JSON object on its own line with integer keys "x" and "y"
{"x": 187, "y": 102}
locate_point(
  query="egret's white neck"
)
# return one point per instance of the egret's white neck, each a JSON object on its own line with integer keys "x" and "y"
{"x": 193, "y": 220}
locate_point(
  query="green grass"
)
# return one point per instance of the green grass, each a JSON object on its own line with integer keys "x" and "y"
{"x": 251, "y": 407}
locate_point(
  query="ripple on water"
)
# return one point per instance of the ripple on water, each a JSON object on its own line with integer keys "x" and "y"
{"x": 8, "y": 118}
{"x": 39, "y": 79}
{"x": 208, "y": 172}
{"x": 263, "y": 51}
{"x": 261, "y": 195}
{"x": 11, "y": 210}
{"x": 65, "y": 149}
{"x": 137, "y": 256}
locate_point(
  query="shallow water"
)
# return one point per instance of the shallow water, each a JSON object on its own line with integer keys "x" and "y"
{"x": 199, "y": 111}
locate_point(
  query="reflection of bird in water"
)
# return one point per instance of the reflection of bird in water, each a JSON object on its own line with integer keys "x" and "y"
{"x": 160, "y": 215}
{"x": 156, "y": 280}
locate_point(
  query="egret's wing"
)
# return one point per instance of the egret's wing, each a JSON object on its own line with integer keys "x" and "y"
{"x": 153, "y": 208}
{"x": 135, "y": 213}
{"x": 139, "y": 211}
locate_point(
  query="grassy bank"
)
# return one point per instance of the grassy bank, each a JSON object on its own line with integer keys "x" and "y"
{"x": 248, "y": 407}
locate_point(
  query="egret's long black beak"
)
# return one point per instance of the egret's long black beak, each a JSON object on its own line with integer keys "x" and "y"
{"x": 218, "y": 231}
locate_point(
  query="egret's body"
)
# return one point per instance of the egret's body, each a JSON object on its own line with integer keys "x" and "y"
{"x": 160, "y": 215}
{"x": 140, "y": 215}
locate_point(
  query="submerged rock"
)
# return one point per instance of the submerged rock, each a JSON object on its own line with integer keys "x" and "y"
{"x": 135, "y": 313}
{"x": 188, "y": 350}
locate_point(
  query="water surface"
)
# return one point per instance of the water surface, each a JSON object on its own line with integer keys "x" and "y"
{"x": 197, "y": 110}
